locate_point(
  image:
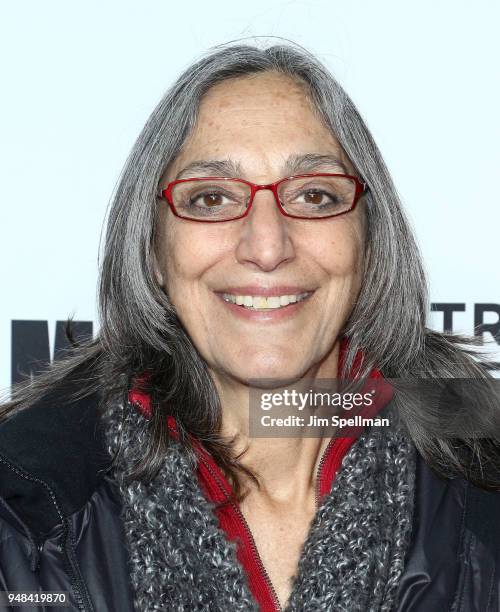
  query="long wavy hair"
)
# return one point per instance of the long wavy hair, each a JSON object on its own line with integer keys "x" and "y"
{"x": 142, "y": 339}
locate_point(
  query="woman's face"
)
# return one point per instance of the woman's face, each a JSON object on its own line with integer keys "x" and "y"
{"x": 258, "y": 123}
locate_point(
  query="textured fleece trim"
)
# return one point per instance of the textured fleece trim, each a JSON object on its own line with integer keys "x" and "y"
{"x": 181, "y": 560}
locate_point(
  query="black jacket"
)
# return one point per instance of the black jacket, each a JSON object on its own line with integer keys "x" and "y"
{"x": 60, "y": 525}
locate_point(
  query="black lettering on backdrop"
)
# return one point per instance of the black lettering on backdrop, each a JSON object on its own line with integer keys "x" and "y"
{"x": 448, "y": 310}
{"x": 30, "y": 348}
{"x": 30, "y": 351}
{"x": 480, "y": 327}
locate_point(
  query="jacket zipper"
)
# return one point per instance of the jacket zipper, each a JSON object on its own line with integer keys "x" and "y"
{"x": 255, "y": 552}
{"x": 84, "y": 605}
{"x": 245, "y": 526}
{"x": 319, "y": 475}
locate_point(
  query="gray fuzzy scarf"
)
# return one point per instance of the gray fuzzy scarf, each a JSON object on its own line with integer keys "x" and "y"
{"x": 352, "y": 560}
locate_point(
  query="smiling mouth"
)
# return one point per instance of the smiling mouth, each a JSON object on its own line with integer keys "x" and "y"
{"x": 261, "y": 303}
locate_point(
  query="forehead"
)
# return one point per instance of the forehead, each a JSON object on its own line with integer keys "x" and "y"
{"x": 257, "y": 120}
{"x": 272, "y": 88}
{"x": 267, "y": 100}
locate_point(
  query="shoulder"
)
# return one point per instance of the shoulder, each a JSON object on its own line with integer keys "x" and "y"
{"x": 458, "y": 504}
{"x": 455, "y": 528}
{"x": 52, "y": 457}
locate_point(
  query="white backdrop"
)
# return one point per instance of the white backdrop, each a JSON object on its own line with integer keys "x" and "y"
{"x": 80, "y": 79}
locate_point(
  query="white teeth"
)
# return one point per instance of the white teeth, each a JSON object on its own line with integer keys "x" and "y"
{"x": 258, "y": 302}
{"x": 273, "y": 302}
{"x": 262, "y": 303}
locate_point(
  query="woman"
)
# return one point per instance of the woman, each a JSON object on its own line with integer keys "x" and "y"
{"x": 129, "y": 473}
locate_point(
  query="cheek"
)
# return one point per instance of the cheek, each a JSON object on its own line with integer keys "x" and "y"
{"x": 189, "y": 251}
{"x": 181, "y": 261}
{"x": 342, "y": 252}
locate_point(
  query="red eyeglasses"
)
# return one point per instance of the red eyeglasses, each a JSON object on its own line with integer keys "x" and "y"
{"x": 305, "y": 196}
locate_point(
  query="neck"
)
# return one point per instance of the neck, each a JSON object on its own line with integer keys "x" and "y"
{"x": 286, "y": 466}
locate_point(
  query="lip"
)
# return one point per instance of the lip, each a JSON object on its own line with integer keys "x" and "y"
{"x": 265, "y": 291}
{"x": 272, "y": 315}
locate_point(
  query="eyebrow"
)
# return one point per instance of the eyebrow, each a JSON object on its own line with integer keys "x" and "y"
{"x": 295, "y": 164}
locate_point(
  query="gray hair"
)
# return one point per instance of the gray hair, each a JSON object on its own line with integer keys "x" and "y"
{"x": 140, "y": 330}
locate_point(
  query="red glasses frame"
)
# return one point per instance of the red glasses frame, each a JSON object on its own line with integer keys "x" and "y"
{"x": 361, "y": 188}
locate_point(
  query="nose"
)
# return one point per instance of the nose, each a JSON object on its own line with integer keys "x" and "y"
{"x": 265, "y": 240}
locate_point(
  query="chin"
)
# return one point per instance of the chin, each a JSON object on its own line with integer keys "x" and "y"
{"x": 264, "y": 376}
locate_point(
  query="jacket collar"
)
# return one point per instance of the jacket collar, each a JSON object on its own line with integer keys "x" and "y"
{"x": 52, "y": 458}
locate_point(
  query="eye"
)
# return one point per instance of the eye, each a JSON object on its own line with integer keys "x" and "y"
{"x": 320, "y": 197}
{"x": 210, "y": 199}
{"x": 313, "y": 197}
